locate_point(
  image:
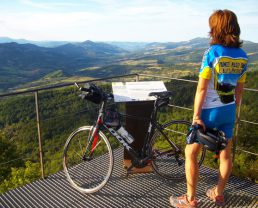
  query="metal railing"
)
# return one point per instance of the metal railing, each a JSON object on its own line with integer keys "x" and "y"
{"x": 38, "y": 120}
{"x": 238, "y": 120}
{"x": 136, "y": 77}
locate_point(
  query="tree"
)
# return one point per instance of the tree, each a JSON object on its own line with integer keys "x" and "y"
{"x": 21, "y": 176}
{"x": 8, "y": 157}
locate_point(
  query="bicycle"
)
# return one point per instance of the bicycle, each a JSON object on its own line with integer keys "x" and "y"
{"x": 88, "y": 156}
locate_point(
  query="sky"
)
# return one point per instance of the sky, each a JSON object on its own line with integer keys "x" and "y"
{"x": 120, "y": 20}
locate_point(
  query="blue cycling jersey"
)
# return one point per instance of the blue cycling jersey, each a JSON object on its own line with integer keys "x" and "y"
{"x": 224, "y": 67}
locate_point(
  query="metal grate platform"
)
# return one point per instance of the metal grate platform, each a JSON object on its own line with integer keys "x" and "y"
{"x": 139, "y": 190}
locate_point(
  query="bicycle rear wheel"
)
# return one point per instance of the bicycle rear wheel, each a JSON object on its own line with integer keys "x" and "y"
{"x": 166, "y": 162}
{"x": 87, "y": 173}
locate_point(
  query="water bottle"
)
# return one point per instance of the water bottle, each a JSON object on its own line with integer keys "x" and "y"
{"x": 125, "y": 135}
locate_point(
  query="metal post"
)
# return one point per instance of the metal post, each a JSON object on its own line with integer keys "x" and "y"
{"x": 137, "y": 78}
{"x": 39, "y": 136}
{"x": 235, "y": 140}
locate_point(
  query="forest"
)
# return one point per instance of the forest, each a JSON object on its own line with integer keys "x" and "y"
{"x": 62, "y": 111}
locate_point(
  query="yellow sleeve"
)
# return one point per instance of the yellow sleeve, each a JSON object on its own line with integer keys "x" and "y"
{"x": 205, "y": 73}
{"x": 242, "y": 78}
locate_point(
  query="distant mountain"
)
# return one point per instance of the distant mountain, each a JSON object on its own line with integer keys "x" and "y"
{"x": 194, "y": 43}
{"x": 193, "y": 49}
{"x": 50, "y": 44}
{"x": 138, "y": 46}
{"x": 101, "y": 48}
{"x": 6, "y": 40}
{"x": 252, "y": 50}
{"x": 21, "y": 63}
{"x": 129, "y": 46}
{"x": 88, "y": 49}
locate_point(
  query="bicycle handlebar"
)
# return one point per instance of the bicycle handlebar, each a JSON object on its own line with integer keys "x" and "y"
{"x": 82, "y": 88}
{"x": 87, "y": 91}
{"x": 108, "y": 96}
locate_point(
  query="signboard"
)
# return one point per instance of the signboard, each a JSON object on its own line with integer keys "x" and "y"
{"x": 136, "y": 91}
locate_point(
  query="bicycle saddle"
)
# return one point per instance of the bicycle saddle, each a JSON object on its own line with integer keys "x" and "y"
{"x": 163, "y": 94}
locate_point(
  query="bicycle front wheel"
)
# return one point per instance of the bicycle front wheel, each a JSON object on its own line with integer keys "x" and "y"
{"x": 168, "y": 162}
{"x": 88, "y": 172}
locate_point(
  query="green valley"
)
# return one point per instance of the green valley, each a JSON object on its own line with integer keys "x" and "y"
{"x": 28, "y": 66}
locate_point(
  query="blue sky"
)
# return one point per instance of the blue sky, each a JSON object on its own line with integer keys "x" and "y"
{"x": 120, "y": 20}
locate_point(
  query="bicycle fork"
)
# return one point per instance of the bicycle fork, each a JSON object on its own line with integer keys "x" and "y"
{"x": 92, "y": 144}
{"x": 94, "y": 137}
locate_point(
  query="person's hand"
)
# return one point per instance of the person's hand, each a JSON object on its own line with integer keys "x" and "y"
{"x": 199, "y": 122}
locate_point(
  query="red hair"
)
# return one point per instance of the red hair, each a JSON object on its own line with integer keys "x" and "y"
{"x": 224, "y": 29}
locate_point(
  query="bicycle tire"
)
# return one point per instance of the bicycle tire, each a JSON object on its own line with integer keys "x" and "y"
{"x": 87, "y": 176}
{"x": 164, "y": 161}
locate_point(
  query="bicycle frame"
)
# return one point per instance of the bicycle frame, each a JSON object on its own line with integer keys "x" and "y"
{"x": 144, "y": 155}
{"x": 159, "y": 145}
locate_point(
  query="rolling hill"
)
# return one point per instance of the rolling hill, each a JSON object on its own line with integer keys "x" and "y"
{"x": 21, "y": 63}
{"x": 30, "y": 64}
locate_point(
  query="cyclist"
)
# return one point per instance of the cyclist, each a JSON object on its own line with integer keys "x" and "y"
{"x": 221, "y": 80}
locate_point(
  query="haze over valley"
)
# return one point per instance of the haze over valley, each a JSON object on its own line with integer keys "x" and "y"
{"x": 25, "y": 64}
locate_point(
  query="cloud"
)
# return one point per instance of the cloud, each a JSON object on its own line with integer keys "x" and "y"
{"x": 131, "y": 22}
{"x": 34, "y": 4}
{"x": 142, "y": 20}
{"x": 45, "y": 25}
{"x": 51, "y": 5}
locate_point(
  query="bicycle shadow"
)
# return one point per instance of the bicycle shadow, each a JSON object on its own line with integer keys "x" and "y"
{"x": 136, "y": 185}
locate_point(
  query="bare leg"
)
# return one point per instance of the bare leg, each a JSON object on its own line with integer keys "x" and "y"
{"x": 191, "y": 169}
{"x": 225, "y": 168}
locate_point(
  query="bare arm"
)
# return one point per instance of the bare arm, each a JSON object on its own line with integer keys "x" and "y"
{"x": 199, "y": 99}
{"x": 239, "y": 92}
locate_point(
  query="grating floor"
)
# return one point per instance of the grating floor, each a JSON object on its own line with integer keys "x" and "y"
{"x": 139, "y": 190}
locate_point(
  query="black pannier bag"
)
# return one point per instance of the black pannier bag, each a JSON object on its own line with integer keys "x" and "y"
{"x": 212, "y": 139}
{"x": 92, "y": 93}
{"x": 162, "y": 102}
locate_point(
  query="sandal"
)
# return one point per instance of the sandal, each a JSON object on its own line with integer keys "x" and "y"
{"x": 219, "y": 200}
{"x": 182, "y": 202}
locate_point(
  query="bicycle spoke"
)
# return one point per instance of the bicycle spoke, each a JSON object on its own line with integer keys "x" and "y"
{"x": 168, "y": 150}
{"x": 97, "y": 145}
{"x": 87, "y": 174}
{"x": 80, "y": 145}
{"x": 80, "y": 156}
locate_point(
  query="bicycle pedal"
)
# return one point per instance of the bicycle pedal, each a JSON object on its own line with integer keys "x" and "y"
{"x": 130, "y": 169}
